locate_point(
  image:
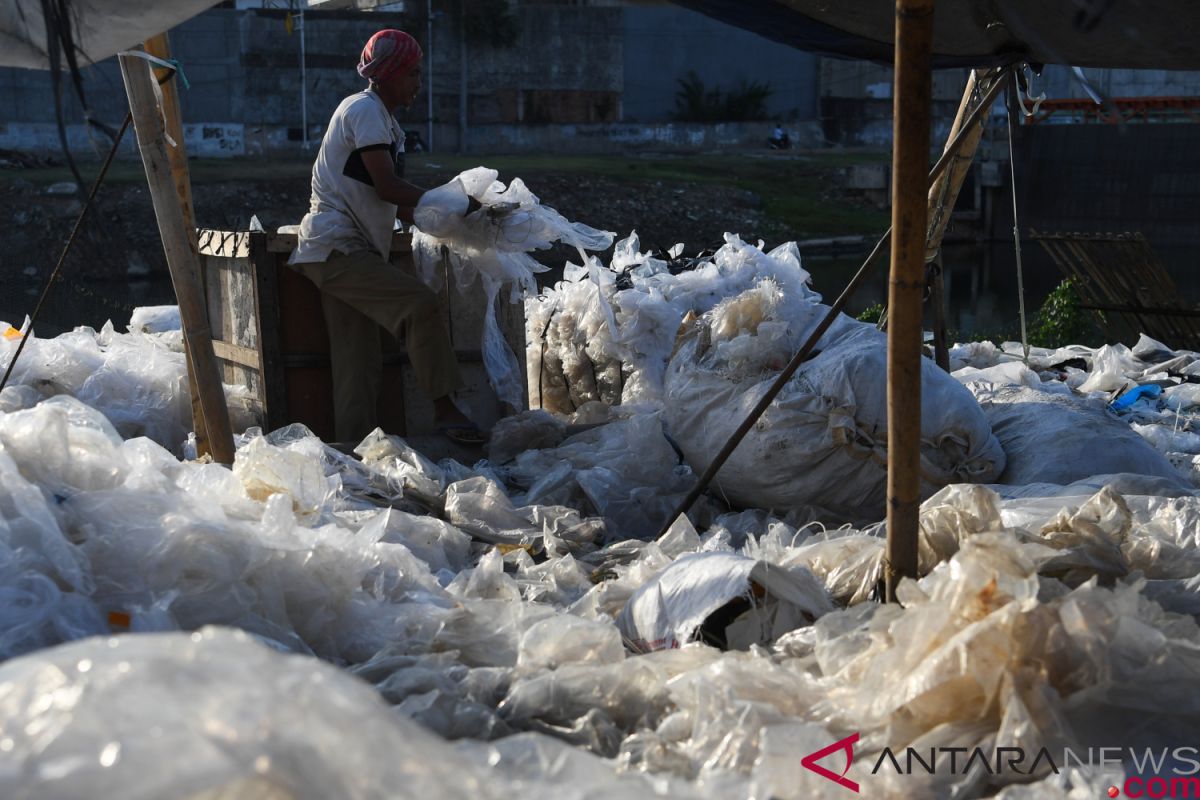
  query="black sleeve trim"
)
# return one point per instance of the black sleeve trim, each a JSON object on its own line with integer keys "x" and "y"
{"x": 356, "y": 169}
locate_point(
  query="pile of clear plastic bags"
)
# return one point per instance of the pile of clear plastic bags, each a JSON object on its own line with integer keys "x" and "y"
{"x": 312, "y": 624}
{"x": 492, "y": 245}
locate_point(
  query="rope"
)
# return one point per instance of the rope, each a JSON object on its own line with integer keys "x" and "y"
{"x": 165, "y": 63}
{"x": 1017, "y": 229}
{"x": 176, "y": 69}
{"x": 66, "y": 249}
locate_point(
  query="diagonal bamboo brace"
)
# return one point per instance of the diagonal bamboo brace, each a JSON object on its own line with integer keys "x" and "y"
{"x": 182, "y": 257}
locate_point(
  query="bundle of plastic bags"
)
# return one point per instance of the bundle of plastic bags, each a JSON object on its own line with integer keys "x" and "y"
{"x": 606, "y": 333}
{"x": 492, "y": 245}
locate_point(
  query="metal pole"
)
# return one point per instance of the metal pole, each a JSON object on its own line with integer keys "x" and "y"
{"x": 910, "y": 154}
{"x": 303, "y": 84}
{"x": 429, "y": 76}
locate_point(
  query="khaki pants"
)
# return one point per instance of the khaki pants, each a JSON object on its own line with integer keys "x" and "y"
{"x": 360, "y": 292}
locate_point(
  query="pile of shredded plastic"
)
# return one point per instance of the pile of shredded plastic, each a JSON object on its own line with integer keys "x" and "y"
{"x": 137, "y": 379}
{"x": 590, "y": 341}
{"x": 1040, "y": 621}
{"x": 409, "y": 628}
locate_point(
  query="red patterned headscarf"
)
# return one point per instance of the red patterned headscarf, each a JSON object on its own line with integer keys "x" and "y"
{"x": 386, "y": 53}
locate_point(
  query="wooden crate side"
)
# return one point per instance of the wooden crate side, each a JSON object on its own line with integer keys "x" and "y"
{"x": 231, "y": 307}
{"x": 265, "y": 280}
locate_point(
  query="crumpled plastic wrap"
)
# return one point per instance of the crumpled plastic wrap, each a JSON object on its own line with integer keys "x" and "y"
{"x": 493, "y": 247}
{"x": 138, "y": 380}
{"x": 625, "y": 471}
{"x": 485, "y": 602}
{"x": 589, "y": 340}
{"x": 1039, "y": 618}
{"x": 215, "y": 714}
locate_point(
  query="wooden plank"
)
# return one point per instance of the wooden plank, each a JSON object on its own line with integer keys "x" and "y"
{"x": 265, "y": 281}
{"x": 242, "y": 356}
{"x": 227, "y": 244}
{"x": 182, "y": 258}
{"x": 1119, "y": 274}
{"x": 160, "y": 46}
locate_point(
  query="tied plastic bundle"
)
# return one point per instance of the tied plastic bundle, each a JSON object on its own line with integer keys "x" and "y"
{"x": 492, "y": 245}
{"x": 579, "y": 353}
{"x": 574, "y": 357}
{"x": 822, "y": 443}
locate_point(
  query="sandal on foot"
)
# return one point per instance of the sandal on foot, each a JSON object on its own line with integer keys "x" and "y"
{"x": 465, "y": 434}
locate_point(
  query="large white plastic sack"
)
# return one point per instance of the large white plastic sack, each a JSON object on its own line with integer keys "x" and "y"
{"x": 666, "y": 612}
{"x": 1054, "y": 438}
{"x": 823, "y": 440}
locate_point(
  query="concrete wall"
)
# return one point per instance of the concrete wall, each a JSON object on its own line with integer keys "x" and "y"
{"x": 1101, "y": 178}
{"x": 663, "y": 43}
{"x": 1058, "y": 82}
{"x": 244, "y": 70}
{"x": 856, "y": 102}
{"x": 244, "y": 73}
{"x": 625, "y": 137}
{"x": 592, "y": 69}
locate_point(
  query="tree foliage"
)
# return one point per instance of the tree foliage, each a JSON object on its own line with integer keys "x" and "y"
{"x": 1061, "y": 321}
{"x": 695, "y": 102}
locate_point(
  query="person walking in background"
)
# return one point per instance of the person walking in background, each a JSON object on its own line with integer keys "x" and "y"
{"x": 358, "y": 191}
{"x": 779, "y": 139}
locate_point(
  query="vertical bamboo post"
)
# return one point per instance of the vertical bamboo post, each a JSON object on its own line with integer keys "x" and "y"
{"x": 160, "y": 46}
{"x": 183, "y": 260}
{"x": 910, "y": 167}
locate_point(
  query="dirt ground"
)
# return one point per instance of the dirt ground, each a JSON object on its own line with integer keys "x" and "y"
{"x": 118, "y": 263}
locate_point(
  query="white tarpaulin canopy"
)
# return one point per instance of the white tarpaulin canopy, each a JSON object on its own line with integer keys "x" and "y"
{"x": 99, "y": 28}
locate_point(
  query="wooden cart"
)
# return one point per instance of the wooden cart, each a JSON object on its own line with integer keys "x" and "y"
{"x": 270, "y": 336}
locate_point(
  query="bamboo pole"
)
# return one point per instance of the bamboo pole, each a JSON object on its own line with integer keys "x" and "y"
{"x": 910, "y": 156}
{"x": 182, "y": 257}
{"x": 160, "y": 46}
{"x": 981, "y": 91}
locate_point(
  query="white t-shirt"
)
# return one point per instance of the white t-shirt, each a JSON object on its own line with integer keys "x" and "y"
{"x": 345, "y": 213}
